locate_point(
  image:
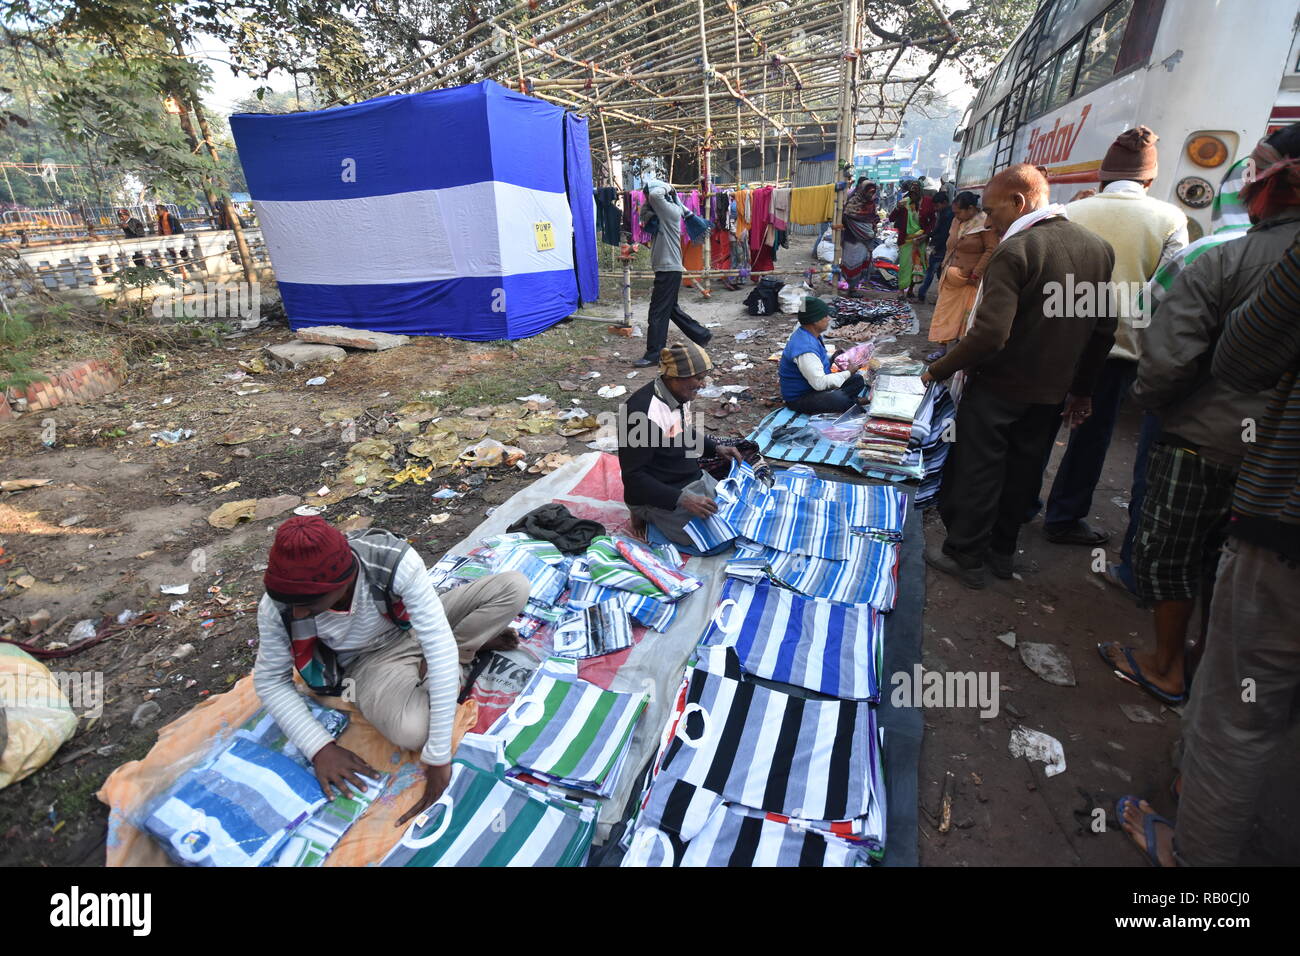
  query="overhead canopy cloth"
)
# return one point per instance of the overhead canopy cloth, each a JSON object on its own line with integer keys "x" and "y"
{"x": 441, "y": 213}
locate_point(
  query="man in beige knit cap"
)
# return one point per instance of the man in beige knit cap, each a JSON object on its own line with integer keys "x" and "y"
{"x": 1145, "y": 233}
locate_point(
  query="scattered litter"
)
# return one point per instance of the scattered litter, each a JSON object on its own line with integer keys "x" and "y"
{"x": 1036, "y": 745}
{"x": 177, "y": 606}
{"x": 611, "y": 391}
{"x": 713, "y": 325}
{"x": 145, "y": 713}
{"x": 444, "y": 493}
{"x": 589, "y": 375}
{"x": 541, "y": 401}
{"x": 126, "y": 617}
{"x": 412, "y": 473}
{"x": 83, "y": 630}
{"x": 70, "y": 521}
{"x": 172, "y": 437}
{"x": 439, "y": 518}
{"x": 322, "y": 491}
{"x": 608, "y": 443}
{"x": 566, "y": 386}
{"x": 318, "y": 380}
{"x": 349, "y": 413}
{"x": 238, "y": 438}
{"x": 247, "y": 325}
{"x": 1138, "y": 714}
{"x": 20, "y": 484}
{"x": 717, "y": 391}
{"x": 548, "y": 463}
{"x": 136, "y": 426}
{"x": 1009, "y": 638}
{"x": 746, "y": 334}
{"x": 182, "y": 652}
{"x": 175, "y": 588}
{"x": 744, "y": 366}
{"x": 631, "y": 374}
{"x": 236, "y": 376}
{"x": 38, "y": 621}
{"x": 228, "y": 486}
{"x": 355, "y": 523}
{"x": 253, "y": 509}
{"x": 24, "y": 580}
{"x": 489, "y": 453}
{"x": 295, "y": 431}
{"x": 1049, "y": 662}
{"x": 167, "y": 400}
{"x": 308, "y": 511}
{"x": 739, "y": 356}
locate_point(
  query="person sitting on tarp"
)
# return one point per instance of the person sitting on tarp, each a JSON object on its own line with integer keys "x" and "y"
{"x": 807, "y": 383}
{"x": 659, "y": 447}
{"x": 357, "y": 617}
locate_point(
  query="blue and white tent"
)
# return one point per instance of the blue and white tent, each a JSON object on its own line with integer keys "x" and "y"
{"x": 464, "y": 212}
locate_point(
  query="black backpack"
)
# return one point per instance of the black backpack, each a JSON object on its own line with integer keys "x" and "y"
{"x": 763, "y": 299}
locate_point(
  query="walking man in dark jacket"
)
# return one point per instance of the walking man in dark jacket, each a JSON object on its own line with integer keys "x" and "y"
{"x": 1029, "y": 349}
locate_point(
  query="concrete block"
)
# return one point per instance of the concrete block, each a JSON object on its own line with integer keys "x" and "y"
{"x": 352, "y": 338}
{"x": 298, "y": 353}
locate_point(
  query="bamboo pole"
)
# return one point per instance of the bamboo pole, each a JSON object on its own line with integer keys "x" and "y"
{"x": 844, "y": 138}
{"x": 705, "y": 71}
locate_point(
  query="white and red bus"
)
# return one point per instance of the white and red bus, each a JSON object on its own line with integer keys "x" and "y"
{"x": 1209, "y": 77}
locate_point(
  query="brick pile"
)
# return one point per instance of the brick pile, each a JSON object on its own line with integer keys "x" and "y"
{"x": 83, "y": 382}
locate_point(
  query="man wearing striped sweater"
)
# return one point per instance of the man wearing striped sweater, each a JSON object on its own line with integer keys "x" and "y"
{"x": 1250, "y": 674}
{"x": 357, "y": 616}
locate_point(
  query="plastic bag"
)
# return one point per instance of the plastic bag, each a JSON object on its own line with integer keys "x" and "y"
{"x": 887, "y": 250}
{"x": 834, "y": 428}
{"x": 35, "y": 716}
{"x": 826, "y": 250}
{"x": 791, "y": 297}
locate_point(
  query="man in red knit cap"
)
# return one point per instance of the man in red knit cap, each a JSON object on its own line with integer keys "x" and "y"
{"x": 362, "y": 604}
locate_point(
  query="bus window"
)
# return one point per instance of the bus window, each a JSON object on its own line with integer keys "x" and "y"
{"x": 1063, "y": 9}
{"x": 1063, "y": 78}
{"x": 1102, "y": 47}
{"x": 1035, "y": 102}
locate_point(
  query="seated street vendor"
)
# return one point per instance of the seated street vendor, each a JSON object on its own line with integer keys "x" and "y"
{"x": 659, "y": 448}
{"x": 807, "y": 383}
{"x": 356, "y": 616}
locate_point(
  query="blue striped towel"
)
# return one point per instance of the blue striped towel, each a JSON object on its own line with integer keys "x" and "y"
{"x": 831, "y": 648}
{"x": 236, "y": 809}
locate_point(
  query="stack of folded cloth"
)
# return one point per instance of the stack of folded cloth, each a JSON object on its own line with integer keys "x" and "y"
{"x": 895, "y": 402}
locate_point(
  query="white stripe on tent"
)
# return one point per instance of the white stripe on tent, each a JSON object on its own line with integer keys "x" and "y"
{"x": 483, "y": 230}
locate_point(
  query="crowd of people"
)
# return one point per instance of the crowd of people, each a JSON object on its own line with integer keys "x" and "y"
{"x": 1215, "y": 503}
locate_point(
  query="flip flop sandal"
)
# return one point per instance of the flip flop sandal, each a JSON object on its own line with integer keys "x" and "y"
{"x": 1137, "y": 678}
{"x": 1149, "y": 822}
{"x": 1084, "y": 535}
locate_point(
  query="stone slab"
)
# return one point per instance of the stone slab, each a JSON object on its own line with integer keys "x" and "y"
{"x": 352, "y": 338}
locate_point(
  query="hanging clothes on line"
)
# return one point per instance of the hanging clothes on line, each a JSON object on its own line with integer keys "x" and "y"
{"x": 760, "y": 242}
{"x": 781, "y": 207}
{"x": 636, "y": 202}
{"x": 609, "y": 218}
{"x": 811, "y": 205}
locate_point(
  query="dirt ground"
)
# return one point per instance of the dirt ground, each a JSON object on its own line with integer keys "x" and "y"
{"x": 142, "y": 510}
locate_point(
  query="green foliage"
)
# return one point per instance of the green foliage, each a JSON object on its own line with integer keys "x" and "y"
{"x": 15, "y": 361}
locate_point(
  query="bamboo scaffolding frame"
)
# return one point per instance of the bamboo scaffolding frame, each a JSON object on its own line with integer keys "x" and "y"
{"x": 655, "y": 76}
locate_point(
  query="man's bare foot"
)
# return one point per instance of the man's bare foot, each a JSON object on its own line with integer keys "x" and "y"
{"x": 1134, "y": 823}
{"x": 507, "y": 640}
{"x": 1171, "y": 684}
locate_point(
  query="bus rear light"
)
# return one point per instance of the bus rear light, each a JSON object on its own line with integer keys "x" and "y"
{"x": 1195, "y": 192}
{"x": 1207, "y": 151}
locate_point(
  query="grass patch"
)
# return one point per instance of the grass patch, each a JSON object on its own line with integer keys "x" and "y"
{"x": 542, "y": 360}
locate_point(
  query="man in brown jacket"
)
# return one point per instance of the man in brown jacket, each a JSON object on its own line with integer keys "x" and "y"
{"x": 1042, "y": 328}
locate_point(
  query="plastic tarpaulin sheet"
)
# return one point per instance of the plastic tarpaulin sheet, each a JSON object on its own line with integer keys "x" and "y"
{"x": 441, "y": 213}
{"x": 577, "y": 165}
